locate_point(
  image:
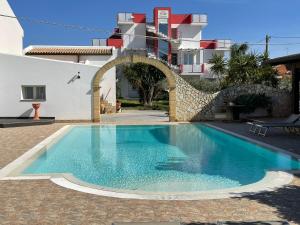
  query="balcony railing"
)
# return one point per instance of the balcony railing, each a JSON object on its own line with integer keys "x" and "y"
{"x": 125, "y": 18}
{"x": 215, "y": 44}
{"x": 195, "y": 68}
{"x": 99, "y": 42}
{"x": 223, "y": 44}
{"x": 199, "y": 19}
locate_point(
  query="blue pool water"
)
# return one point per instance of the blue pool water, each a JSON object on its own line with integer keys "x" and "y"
{"x": 160, "y": 158}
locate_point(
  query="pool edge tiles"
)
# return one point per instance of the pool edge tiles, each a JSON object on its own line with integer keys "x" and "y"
{"x": 271, "y": 181}
{"x": 14, "y": 168}
{"x": 256, "y": 142}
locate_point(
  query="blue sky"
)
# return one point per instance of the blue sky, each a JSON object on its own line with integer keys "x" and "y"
{"x": 238, "y": 20}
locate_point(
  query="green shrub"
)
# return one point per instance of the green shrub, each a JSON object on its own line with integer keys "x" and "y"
{"x": 253, "y": 101}
{"x": 285, "y": 83}
{"x": 205, "y": 85}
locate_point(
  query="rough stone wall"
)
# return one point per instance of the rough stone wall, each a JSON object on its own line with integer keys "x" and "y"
{"x": 281, "y": 100}
{"x": 194, "y": 105}
{"x": 191, "y": 104}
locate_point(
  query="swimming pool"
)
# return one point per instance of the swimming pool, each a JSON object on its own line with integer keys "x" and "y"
{"x": 159, "y": 158}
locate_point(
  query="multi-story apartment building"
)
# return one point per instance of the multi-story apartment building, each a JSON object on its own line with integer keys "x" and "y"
{"x": 173, "y": 38}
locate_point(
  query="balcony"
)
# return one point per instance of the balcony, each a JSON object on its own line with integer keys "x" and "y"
{"x": 191, "y": 69}
{"x": 199, "y": 19}
{"x": 216, "y": 44}
{"x": 223, "y": 44}
{"x": 115, "y": 42}
{"x": 99, "y": 42}
{"x": 125, "y": 18}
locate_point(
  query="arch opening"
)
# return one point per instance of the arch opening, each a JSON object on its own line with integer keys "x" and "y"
{"x": 96, "y": 100}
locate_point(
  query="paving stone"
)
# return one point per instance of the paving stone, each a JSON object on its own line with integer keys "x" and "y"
{"x": 43, "y": 202}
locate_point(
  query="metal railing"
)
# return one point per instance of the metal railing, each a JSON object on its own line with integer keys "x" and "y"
{"x": 223, "y": 43}
{"x": 99, "y": 42}
{"x": 199, "y": 18}
{"x": 125, "y": 18}
{"x": 194, "y": 68}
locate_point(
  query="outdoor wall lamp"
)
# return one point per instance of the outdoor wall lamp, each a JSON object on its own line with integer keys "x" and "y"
{"x": 78, "y": 75}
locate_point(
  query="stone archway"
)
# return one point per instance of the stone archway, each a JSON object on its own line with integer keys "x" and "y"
{"x": 133, "y": 59}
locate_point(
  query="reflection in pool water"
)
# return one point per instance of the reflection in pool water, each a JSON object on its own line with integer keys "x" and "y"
{"x": 159, "y": 158}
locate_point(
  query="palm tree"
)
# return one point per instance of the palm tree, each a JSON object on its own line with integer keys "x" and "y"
{"x": 243, "y": 67}
{"x": 219, "y": 65}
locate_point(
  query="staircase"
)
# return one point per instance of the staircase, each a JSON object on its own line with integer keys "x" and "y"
{"x": 151, "y": 28}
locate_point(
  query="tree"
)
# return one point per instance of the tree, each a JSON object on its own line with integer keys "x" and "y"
{"x": 219, "y": 65}
{"x": 146, "y": 78}
{"x": 244, "y": 68}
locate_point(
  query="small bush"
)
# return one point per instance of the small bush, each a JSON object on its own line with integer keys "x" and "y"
{"x": 205, "y": 85}
{"x": 285, "y": 83}
{"x": 253, "y": 101}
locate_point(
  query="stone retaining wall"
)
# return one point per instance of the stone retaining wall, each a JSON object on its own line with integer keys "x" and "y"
{"x": 194, "y": 105}
{"x": 191, "y": 104}
{"x": 281, "y": 100}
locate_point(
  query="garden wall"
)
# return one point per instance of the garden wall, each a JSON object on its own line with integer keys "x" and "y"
{"x": 194, "y": 105}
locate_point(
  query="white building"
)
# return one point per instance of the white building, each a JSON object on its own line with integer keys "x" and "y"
{"x": 87, "y": 55}
{"x": 173, "y": 38}
{"x": 58, "y": 77}
{"x": 11, "y": 32}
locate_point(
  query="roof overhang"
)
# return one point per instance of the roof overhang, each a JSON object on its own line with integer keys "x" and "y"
{"x": 68, "y": 50}
{"x": 289, "y": 59}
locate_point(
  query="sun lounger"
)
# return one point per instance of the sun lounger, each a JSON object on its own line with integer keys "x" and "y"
{"x": 261, "y": 128}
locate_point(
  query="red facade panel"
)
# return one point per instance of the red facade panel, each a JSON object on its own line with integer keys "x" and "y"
{"x": 208, "y": 44}
{"x": 181, "y": 19}
{"x": 117, "y": 43}
{"x": 139, "y": 18}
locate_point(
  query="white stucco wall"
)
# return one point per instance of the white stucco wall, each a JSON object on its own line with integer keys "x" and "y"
{"x": 11, "y": 32}
{"x": 135, "y": 36}
{"x": 65, "y": 100}
{"x": 108, "y": 84}
{"x": 191, "y": 33}
{"x": 67, "y": 58}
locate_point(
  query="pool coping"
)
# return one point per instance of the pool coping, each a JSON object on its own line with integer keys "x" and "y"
{"x": 253, "y": 141}
{"x": 272, "y": 180}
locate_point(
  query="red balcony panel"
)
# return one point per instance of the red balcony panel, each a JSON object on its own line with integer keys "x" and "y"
{"x": 115, "y": 42}
{"x": 208, "y": 44}
{"x": 203, "y": 68}
{"x": 139, "y": 18}
{"x": 181, "y": 19}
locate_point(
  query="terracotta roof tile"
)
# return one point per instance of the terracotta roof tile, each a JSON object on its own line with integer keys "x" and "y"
{"x": 69, "y": 51}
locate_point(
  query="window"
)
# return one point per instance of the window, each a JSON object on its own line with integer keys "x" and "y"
{"x": 164, "y": 29}
{"x": 34, "y": 93}
{"x": 188, "y": 59}
{"x": 163, "y": 49}
{"x": 198, "y": 58}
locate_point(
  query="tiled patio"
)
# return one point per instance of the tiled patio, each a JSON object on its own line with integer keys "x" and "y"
{"x": 43, "y": 202}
